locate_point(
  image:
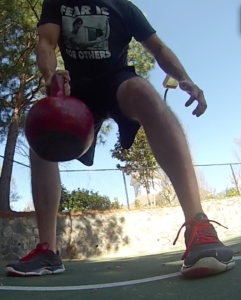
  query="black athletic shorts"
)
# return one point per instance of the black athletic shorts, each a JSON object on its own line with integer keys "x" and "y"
{"x": 100, "y": 95}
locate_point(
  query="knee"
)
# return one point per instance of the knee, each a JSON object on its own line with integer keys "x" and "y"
{"x": 137, "y": 89}
{"x": 137, "y": 96}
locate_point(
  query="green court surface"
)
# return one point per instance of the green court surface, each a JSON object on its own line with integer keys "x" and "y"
{"x": 147, "y": 277}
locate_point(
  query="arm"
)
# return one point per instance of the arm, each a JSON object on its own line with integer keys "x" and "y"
{"x": 46, "y": 57}
{"x": 170, "y": 64}
{"x": 166, "y": 59}
{"x": 144, "y": 33}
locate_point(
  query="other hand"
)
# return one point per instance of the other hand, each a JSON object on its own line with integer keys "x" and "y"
{"x": 196, "y": 95}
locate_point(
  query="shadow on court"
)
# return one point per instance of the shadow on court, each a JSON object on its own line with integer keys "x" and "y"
{"x": 148, "y": 277}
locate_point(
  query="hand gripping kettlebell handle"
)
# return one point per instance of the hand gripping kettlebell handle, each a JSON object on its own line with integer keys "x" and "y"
{"x": 57, "y": 85}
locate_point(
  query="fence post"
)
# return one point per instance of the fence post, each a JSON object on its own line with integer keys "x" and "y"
{"x": 119, "y": 167}
{"x": 235, "y": 180}
{"x": 127, "y": 197}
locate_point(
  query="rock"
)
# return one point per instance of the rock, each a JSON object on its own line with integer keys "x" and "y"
{"x": 28, "y": 230}
{"x": 61, "y": 224}
{"x": 32, "y": 239}
{"x": 32, "y": 223}
{"x": 18, "y": 226}
{"x": 24, "y": 246}
{"x": 7, "y": 232}
{"x": 5, "y": 222}
{"x": 24, "y": 221}
{"x": 5, "y": 250}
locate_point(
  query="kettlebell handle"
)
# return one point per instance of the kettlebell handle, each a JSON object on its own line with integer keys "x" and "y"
{"x": 57, "y": 85}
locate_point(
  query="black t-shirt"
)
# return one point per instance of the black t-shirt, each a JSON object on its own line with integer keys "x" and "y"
{"x": 95, "y": 34}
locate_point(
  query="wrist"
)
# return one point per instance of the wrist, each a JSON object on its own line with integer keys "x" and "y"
{"x": 48, "y": 76}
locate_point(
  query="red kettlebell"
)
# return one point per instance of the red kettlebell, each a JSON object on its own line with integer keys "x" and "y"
{"x": 59, "y": 128}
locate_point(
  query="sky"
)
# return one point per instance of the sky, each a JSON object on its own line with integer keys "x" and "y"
{"x": 205, "y": 36}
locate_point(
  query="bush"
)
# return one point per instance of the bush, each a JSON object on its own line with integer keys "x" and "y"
{"x": 232, "y": 192}
{"x": 84, "y": 200}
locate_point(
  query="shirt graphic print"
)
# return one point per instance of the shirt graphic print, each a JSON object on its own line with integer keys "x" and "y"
{"x": 85, "y": 33}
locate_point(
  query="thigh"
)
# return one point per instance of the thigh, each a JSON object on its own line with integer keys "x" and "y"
{"x": 101, "y": 98}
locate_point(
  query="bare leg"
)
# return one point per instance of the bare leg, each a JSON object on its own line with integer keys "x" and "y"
{"x": 46, "y": 190}
{"x": 139, "y": 101}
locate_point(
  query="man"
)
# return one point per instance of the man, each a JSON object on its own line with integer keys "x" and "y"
{"x": 79, "y": 37}
{"x": 110, "y": 88}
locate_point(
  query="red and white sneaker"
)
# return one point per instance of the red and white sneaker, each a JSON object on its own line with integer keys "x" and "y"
{"x": 40, "y": 261}
{"x": 205, "y": 254}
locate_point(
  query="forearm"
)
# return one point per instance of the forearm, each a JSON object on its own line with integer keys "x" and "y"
{"x": 46, "y": 59}
{"x": 170, "y": 64}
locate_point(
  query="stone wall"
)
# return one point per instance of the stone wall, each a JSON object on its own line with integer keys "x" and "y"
{"x": 113, "y": 234}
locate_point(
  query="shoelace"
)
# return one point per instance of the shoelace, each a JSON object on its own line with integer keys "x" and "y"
{"x": 41, "y": 248}
{"x": 197, "y": 231}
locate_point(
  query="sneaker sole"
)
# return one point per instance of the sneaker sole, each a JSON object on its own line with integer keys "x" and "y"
{"x": 43, "y": 271}
{"x": 207, "y": 266}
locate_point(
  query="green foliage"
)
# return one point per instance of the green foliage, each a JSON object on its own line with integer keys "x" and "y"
{"x": 228, "y": 193}
{"x": 27, "y": 209}
{"x": 104, "y": 132}
{"x": 85, "y": 200}
{"x": 232, "y": 192}
{"x": 116, "y": 204}
{"x": 143, "y": 61}
{"x": 18, "y": 68}
{"x": 137, "y": 203}
{"x": 141, "y": 164}
{"x": 139, "y": 160}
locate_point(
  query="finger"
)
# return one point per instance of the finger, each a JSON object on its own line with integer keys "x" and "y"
{"x": 202, "y": 98}
{"x": 65, "y": 73}
{"x": 190, "y": 101}
{"x": 67, "y": 89}
{"x": 200, "y": 109}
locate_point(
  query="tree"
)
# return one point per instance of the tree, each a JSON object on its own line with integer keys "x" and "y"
{"x": 14, "y": 196}
{"x": 85, "y": 200}
{"x": 228, "y": 193}
{"x": 139, "y": 160}
{"x": 20, "y": 79}
{"x": 29, "y": 206}
{"x": 143, "y": 61}
{"x": 143, "y": 167}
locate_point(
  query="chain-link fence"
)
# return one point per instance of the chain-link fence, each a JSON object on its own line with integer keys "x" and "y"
{"x": 215, "y": 181}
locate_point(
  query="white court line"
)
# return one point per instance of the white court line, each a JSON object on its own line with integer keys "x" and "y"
{"x": 87, "y": 287}
{"x": 92, "y": 286}
{"x": 237, "y": 258}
